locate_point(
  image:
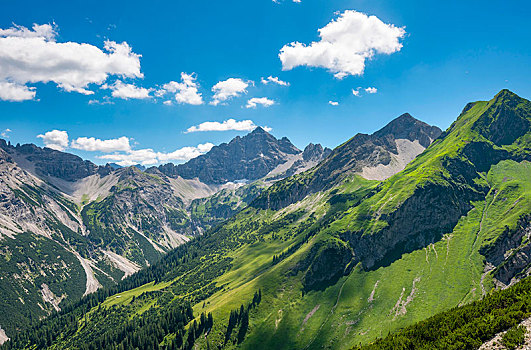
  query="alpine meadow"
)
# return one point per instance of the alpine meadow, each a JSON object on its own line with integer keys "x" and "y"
{"x": 147, "y": 200}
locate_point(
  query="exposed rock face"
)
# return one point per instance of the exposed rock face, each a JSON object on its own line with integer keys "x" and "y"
{"x": 315, "y": 152}
{"x": 244, "y": 158}
{"x": 360, "y": 152}
{"x": 48, "y": 162}
{"x": 509, "y": 254}
{"x": 140, "y": 204}
{"x": 3, "y": 336}
{"x": 422, "y": 219}
{"x": 327, "y": 264}
{"x": 407, "y": 127}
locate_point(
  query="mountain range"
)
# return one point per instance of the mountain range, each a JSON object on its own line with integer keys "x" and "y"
{"x": 257, "y": 244}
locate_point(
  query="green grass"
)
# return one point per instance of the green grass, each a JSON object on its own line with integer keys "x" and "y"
{"x": 223, "y": 269}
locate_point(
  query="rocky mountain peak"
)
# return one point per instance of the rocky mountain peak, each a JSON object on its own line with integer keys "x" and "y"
{"x": 506, "y": 119}
{"x": 506, "y": 95}
{"x": 48, "y": 162}
{"x": 249, "y": 157}
{"x": 407, "y": 127}
{"x": 259, "y": 130}
{"x": 315, "y": 152}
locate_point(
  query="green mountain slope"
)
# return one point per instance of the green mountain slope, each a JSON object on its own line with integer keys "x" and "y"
{"x": 344, "y": 263}
{"x": 468, "y": 327}
{"x": 111, "y": 220}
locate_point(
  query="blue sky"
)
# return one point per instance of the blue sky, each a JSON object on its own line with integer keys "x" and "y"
{"x": 430, "y": 59}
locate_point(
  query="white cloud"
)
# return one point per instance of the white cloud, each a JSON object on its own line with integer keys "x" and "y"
{"x": 15, "y": 92}
{"x": 46, "y": 31}
{"x": 371, "y": 90}
{"x": 149, "y": 157}
{"x": 93, "y": 144}
{"x": 228, "y": 89}
{"x": 345, "y": 44}
{"x": 185, "y": 153}
{"x": 5, "y": 133}
{"x": 274, "y": 80}
{"x": 333, "y": 103}
{"x": 185, "y": 92}
{"x": 105, "y": 101}
{"x": 55, "y": 139}
{"x": 264, "y": 101}
{"x": 229, "y": 124}
{"x": 142, "y": 156}
{"x": 167, "y": 103}
{"x": 126, "y": 91}
{"x": 34, "y": 55}
{"x": 356, "y": 92}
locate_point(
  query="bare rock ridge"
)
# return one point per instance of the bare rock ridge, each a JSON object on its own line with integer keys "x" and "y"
{"x": 47, "y": 162}
{"x": 244, "y": 158}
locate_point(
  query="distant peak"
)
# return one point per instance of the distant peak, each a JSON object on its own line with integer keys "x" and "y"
{"x": 407, "y": 127}
{"x": 259, "y": 130}
{"x": 406, "y": 116}
{"x": 505, "y": 92}
{"x": 506, "y": 95}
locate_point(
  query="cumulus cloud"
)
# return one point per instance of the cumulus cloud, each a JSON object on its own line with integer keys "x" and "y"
{"x": 34, "y": 55}
{"x": 345, "y": 44}
{"x": 356, "y": 92}
{"x": 150, "y": 157}
{"x": 126, "y": 91}
{"x": 371, "y": 90}
{"x": 186, "y": 91}
{"x": 263, "y": 101}
{"x": 274, "y": 80}
{"x": 15, "y": 92}
{"x": 333, "y": 103}
{"x": 229, "y": 124}
{"x": 55, "y": 139}
{"x": 228, "y": 89}
{"x": 93, "y": 144}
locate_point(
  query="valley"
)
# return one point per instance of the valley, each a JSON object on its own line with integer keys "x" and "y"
{"x": 257, "y": 244}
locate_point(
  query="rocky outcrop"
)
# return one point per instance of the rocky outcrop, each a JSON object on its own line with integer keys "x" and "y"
{"x": 244, "y": 158}
{"x": 47, "y": 162}
{"x": 315, "y": 152}
{"x": 511, "y": 252}
{"x": 325, "y": 263}
{"x": 420, "y": 220}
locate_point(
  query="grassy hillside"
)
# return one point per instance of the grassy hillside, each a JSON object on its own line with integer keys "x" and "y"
{"x": 342, "y": 266}
{"x": 467, "y": 327}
